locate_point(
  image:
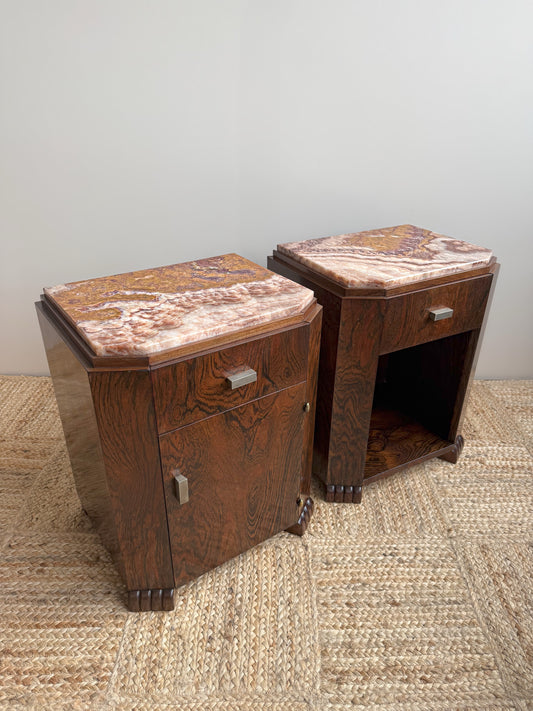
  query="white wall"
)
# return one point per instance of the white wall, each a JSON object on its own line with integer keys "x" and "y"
{"x": 135, "y": 134}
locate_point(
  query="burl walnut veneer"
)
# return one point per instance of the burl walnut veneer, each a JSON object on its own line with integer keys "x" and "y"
{"x": 403, "y": 313}
{"x": 187, "y": 397}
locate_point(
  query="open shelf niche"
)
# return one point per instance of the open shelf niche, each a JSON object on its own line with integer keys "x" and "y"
{"x": 416, "y": 403}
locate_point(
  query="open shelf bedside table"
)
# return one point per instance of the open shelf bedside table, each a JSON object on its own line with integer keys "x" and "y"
{"x": 187, "y": 398}
{"x": 403, "y": 314}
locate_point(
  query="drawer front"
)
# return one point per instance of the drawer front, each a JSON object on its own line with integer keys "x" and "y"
{"x": 408, "y": 317}
{"x": 207, "y": 385}
{"x": 232, "y": 481}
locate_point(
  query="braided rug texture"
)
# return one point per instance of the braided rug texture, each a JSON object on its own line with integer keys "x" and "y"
{"x": 419, "y": 598}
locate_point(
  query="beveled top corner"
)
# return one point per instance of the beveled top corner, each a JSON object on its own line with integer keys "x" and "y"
{"x": 146, "y": 312}
{"x": 387, "y": 258}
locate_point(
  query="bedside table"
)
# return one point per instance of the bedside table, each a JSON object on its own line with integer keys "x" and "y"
{"x": 187, "y": 398}
{"x": 403, "y": 313}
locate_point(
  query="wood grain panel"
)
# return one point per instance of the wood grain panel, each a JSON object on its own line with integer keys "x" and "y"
{"x": 408, "y": 323}
{"x": 469, "y": 368}
{"x": 349, "y": 349}
{"x": 243, "y": 469}
{"x": 425, "y": 368}
{"x": 126, "y": 422}
{"x": 331, "y": 317}
{"x": 314, "y": 334}
{"x": 396, "y": 439}
{"x": 74, "y": 399}
{"x": 355, "y": 375}
{"x": 196, "y": 388}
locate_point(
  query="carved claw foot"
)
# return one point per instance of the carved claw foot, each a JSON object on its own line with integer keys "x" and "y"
{"x": 454, "y": 454}
{"x": 342, "y": 494}
{"x": 306, "y": 511}
{"x": 155, "y": 600}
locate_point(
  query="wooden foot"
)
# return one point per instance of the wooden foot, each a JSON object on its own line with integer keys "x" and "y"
{"x": 454, "y": 454}
{"x": 344, "y": 494}
{"x": 155, "y": 600}
{"x": 306, "y": 511}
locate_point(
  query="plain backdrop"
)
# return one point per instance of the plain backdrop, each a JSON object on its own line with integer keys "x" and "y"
{"x": 135, "y": 134}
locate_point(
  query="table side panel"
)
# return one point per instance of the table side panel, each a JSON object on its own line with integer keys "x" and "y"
{"x": 314, "y": 333}
{"x": 471, "y": 358}
{"x": 331, "y": 315}
{"x": 128, "y": 435}
{"x": 76, "y": 410}
{"x": 463, "y": 361}
{"x": 357, "y": 361}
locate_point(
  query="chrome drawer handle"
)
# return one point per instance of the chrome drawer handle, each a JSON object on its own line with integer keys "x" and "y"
{"x": 243, "y": 377}
{"x": 439, "y": 314}
{"x": 182, "y": 486}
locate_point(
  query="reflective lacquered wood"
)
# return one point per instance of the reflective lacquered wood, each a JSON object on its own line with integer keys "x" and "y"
{"x": 376, "y": 341}
{"x": 108, "y": 410}
{"x": 110, "y": 429}
{"x": 197, "y": 387}
{"x": 243, "y": 469}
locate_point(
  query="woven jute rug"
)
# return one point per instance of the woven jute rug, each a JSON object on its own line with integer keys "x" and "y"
{"x": 419, "y": 598}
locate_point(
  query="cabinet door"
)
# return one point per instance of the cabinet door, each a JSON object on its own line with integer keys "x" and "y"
{"x": 243, "y": 471}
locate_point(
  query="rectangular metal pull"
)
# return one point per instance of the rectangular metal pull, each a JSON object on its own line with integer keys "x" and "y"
{"x": 439, "y": 314}
{"x": 182, "y": 487}
{"x": 243, "y": 377}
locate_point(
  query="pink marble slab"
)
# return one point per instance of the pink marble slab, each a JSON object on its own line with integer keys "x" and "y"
{"x": 388, "y": 257}
{"x": 144, "y": 312}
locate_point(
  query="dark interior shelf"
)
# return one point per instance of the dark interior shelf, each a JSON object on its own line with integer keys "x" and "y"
{"x": 413, "y": 408}
{"x": 397, "y": 439}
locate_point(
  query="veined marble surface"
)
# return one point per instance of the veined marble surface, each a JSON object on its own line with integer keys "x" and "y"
{"x": 148, "y": 311}
{"x": 389, "y": 257}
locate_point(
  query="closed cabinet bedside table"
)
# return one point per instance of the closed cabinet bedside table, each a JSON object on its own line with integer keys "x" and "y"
{"x": 403, "y": 313}
{"x": 187, "y": 397}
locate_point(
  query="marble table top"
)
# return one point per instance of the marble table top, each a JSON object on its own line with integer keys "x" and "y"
{"x": 388, "y": 257}
{"x": 144, "y": 312}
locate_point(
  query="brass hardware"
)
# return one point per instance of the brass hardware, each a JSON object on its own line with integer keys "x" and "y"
{"x": 182, "y": 487}
{"x": 307, "y": 407}
{"x": 243, "y": 377}
{"x": 439, "y": 314}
